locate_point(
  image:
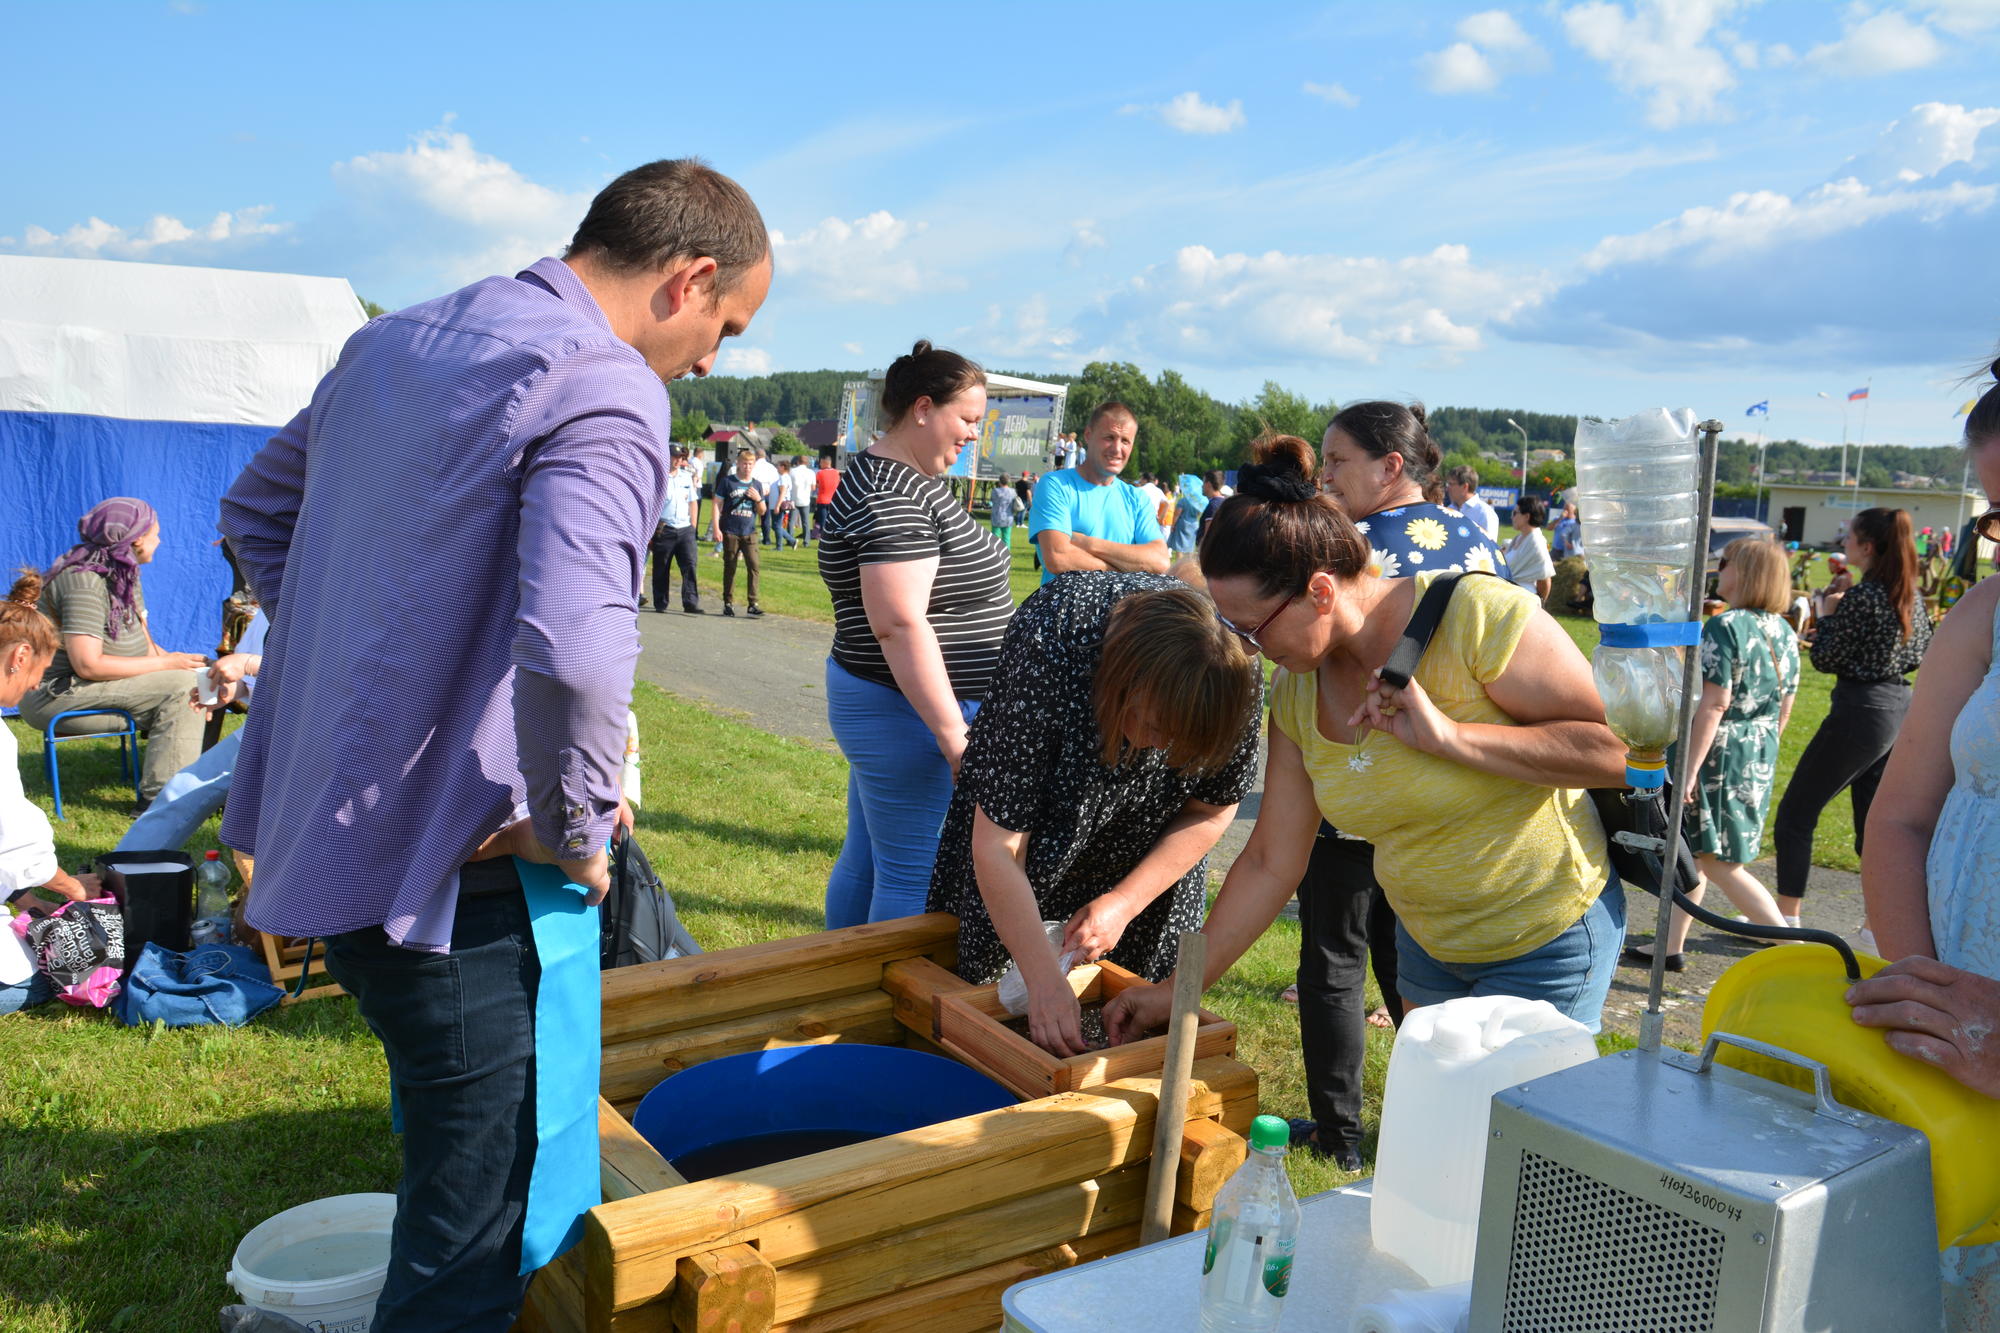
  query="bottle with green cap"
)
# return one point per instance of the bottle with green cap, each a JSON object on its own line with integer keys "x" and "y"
{"x": 1247, "y": 1266}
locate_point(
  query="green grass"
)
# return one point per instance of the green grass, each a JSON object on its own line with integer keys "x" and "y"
{"x": 132, "y": 1161}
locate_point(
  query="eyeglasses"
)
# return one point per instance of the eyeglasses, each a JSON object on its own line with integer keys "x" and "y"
{"x": 1250, "y": 636}
{"x": 1722, "y": 564}
{"x": 1987, "y": 525}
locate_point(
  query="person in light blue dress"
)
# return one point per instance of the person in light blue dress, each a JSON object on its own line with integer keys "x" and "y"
{"x": 1931, "y": 868}
{"x": 1189, "y": 505}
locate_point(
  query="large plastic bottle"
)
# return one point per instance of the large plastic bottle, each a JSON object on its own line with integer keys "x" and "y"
{"x": 1638, "y": 494}
{"x": 1449, "y": 1060}
{"x": 211, "y": 901}
{"x": 1247, "y": 1267}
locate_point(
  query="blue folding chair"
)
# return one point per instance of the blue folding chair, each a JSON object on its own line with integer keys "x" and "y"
{"x": 128, "y": 743}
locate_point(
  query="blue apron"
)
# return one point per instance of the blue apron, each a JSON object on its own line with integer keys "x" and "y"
{"x": 563, "y": 1184}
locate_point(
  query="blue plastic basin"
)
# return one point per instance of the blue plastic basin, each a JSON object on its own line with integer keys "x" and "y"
{"x": 742, "y": 1110}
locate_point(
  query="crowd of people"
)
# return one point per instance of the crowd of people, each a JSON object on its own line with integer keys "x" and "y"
{"x": 1073, "y": 760}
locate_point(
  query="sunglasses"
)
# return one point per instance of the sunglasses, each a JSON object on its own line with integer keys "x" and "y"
{"x": 1987, "y": 525}
{"x": 1722, "y": 564}
{"x": 1250, "y": 636}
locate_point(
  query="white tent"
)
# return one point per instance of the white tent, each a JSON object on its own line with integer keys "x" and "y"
{"x": 156, "y": 381}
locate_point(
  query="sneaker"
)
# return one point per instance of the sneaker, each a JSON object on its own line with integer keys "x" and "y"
{"x": 756, "y": 610}
{"x": 728, "y": 610}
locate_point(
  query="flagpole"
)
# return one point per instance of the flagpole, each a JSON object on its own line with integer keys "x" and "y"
{"x": 1861, "y": 449}
{"x": 1763, "y": 442}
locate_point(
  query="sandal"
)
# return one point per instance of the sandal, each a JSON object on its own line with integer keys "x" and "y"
{"x": 1379, "y": 1017}
{"x": 1634, "y": 956}
{"x": 1290, "y": 994}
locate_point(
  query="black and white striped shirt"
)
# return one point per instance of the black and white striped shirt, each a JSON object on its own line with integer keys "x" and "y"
{"x": 885, "y": 510}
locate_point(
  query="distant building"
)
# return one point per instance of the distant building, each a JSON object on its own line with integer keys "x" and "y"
{"x": 1817, "y": 515}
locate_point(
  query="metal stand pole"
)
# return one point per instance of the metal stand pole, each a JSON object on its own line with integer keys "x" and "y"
{"x": 1652, "y": 1024}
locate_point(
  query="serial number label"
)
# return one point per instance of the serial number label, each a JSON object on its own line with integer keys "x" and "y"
{"x": 1699, "y": 1197}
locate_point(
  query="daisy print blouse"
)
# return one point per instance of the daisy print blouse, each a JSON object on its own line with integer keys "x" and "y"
{"x": 1424, "y": 538}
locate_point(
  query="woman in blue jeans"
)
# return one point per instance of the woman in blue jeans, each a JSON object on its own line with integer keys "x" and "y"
{"x": 921, "y": 601}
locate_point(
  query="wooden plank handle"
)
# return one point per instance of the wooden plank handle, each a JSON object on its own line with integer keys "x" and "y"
{"x": 1171, "y": 1116}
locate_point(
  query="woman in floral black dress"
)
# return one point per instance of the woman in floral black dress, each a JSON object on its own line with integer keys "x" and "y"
{"x": 1116, "y": 739}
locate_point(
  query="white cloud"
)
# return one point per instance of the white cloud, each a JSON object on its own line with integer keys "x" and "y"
{"x": 1659, "y": 50}
{"x": 1084, "y": 237}
{"x": 1190, "y": 115}
{"x": 1459, "y": 68}
{"x": 1491, "y": 46}
{"x": 441, "y": 213}
{"x": 862, "y": 260}
{"x": 1211, "y": 309}
{"x": 1331, "y": 92}
{"x": 163, "y": 239}
{"x": 1766, "y": 222}
{"x": 1962, "y": 17}
{"x": 1788, "y": 280}
{"x": 1495, "y": 30}
{"x": 744, "y": 361}
{"x": 1885, "y": 43}
{"x": 852, "y": 349}
{"x": 1026, "y": 332}
{"x": 1930, "y": 138}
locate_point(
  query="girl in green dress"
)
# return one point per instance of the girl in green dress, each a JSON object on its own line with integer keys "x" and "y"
{"x": 1750, "y": 674}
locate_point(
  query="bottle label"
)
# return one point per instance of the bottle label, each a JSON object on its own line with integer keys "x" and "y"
{"x": 1278, "y": 1274}
{"x": 1216, "y": 1234}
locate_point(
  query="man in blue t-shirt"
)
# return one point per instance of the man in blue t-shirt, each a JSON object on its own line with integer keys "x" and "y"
{"x": 1085, "y": 517}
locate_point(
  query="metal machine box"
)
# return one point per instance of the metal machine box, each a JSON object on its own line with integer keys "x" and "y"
{"x": 1651, "y": 1192}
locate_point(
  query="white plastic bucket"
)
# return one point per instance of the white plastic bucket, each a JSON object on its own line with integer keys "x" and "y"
{"x": 322, "y": 1263}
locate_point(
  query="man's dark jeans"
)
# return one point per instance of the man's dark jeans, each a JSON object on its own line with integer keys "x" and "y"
{"x": 1344, "y": 924}
{"x": 674, "y": 546}
{"x": 459, "y": 1033}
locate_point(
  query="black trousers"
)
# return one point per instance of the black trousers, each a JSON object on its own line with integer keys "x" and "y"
{"x": 1344, "y": 924}
{"x": 674, "y": 545}
{"x": 1850, "y": 749}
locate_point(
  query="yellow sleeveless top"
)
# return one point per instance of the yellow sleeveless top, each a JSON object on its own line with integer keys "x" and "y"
{"x": 1480, "y": 868}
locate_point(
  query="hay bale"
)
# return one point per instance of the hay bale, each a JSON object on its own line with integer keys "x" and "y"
{"x": 1564, "y": 591}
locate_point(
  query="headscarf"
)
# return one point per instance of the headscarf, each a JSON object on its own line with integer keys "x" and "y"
{"x": 107, "y": 533}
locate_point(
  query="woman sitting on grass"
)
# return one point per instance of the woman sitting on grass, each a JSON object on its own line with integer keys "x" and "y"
{"x": 1116, "y": 739}
{"x": 28, "y": 643}
{"x": 1469, "y": 781}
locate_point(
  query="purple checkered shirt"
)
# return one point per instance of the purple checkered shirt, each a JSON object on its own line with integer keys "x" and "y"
{"x": 449, "y": 542}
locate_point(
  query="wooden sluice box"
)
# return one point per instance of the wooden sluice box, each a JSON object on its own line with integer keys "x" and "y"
{"x": 921, "y": 1230}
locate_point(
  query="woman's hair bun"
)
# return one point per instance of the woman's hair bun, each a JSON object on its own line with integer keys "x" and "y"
{"x": 1423, "y": 418}
{"x": 27, "y": 589}
{"x": 1282, "y": 470}
{"x": 1994, "y": 369}
{"x": 921, "y": 347}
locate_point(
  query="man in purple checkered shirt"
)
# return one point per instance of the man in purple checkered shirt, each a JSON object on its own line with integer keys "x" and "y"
{"x": 449, "y": 542}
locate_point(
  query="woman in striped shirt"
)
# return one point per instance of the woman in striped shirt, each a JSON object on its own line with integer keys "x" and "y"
{"x": 921, "y": 601}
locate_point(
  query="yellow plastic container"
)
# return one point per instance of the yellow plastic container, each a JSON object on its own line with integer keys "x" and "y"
{"x": 1790, "y": 996}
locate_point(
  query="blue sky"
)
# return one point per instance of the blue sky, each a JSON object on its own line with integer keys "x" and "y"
{"x": 1570, "y": 207}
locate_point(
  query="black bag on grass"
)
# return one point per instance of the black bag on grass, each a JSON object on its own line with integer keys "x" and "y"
{"x": 637, "y": 922}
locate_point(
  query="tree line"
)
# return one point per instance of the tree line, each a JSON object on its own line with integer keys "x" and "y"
{"x": 1183, "y": 428}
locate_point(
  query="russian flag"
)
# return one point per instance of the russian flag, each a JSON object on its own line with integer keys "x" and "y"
{"x": 1856, "y": 395}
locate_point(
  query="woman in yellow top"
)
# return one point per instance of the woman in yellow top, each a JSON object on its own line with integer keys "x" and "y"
{"x": 1469, "y": 782}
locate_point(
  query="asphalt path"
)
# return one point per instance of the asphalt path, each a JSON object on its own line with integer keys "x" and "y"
{"x": 771, "y": 673}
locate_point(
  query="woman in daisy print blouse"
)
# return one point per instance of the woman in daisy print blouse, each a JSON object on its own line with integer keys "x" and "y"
{"x": 1470, "y": 782}
{"x": 1374, "y": 462}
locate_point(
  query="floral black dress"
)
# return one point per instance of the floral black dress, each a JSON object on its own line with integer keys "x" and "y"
{"x": 1033, "y": 765}
{"x": 1755, "y": 654}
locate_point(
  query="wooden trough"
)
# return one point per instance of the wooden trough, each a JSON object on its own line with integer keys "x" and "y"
{"x": 921, "y": 1230}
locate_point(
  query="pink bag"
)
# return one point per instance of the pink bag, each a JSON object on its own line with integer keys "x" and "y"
{"x": 79, "y": 946}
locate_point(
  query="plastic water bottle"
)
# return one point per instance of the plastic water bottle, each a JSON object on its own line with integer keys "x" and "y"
{"x": 1638, "y": 493}
{"x": 631, "y": 779}
{"x": 211, "y": 901}
{"x": 1247, "y": 1267}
